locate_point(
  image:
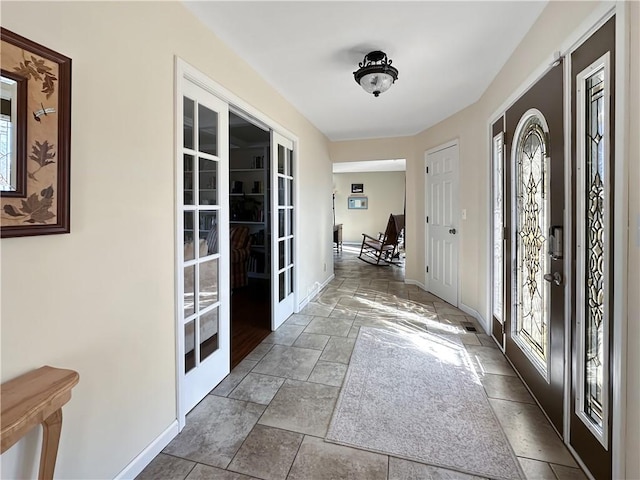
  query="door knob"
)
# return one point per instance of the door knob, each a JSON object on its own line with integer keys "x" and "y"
{"x": 556, "y": 278}
{"x": 452, "y": 231}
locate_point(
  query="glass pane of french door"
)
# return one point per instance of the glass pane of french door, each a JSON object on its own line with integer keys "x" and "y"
{"x": 203, "y": 214}
{"x": 283, "y": 228}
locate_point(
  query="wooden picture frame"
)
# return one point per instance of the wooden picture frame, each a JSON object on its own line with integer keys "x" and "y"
{"x": 41, "y": 206}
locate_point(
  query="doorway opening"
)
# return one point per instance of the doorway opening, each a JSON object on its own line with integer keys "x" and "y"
{"x": 365, "y": 193}
{"x": 249, "y": 233}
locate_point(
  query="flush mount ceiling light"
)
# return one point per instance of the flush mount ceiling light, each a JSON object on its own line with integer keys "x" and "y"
{"x": 376, "y": 75}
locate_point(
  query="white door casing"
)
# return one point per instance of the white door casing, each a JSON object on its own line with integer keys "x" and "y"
{"x": 202, "y": 240}
{"x": 442, "y": 228}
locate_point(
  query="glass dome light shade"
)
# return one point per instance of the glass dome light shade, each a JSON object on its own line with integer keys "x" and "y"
{"x": 376, "y": 74}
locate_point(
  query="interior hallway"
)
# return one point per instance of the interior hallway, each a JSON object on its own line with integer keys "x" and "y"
{"x": 268, "y": 418}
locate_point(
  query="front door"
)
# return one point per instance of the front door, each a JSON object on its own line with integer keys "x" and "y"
{"x": 442, "y": 223}
{"x": 535, "y": 294}
{"x": 593, "y": 94}
{"x": 203, "y": 237}
{"x": 282, "y": 229}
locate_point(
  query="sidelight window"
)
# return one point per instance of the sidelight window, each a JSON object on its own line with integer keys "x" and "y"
{"x": 593, "y": 246}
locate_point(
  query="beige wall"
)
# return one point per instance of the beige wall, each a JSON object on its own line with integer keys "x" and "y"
{"x": 101, "y": 299}
{"x": 385, "y": 194}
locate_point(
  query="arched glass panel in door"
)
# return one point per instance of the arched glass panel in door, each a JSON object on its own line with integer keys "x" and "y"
{"x": 531, "y": 331}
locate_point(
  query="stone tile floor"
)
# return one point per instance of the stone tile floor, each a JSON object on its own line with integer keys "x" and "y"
{"x": 268, "y": 418}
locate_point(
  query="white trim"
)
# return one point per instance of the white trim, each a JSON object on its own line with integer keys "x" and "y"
{"x": 151, "y": 451}
{"x": 317, "y": 288}
{"x": 235, "y": 102}
{"x": 177, "y": 255}
{"x": 620, "y": 242}
{"x": 603, "y": 63}
{"x": 443, "y": 146}
{"x": 475, "y": 314}
{"x": 408, "y": 281}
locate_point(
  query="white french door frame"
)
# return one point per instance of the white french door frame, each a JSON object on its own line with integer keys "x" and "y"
{"x": 281, "y": 309}
{"x": 186, "y": 72}
{"x": 427, "y": 204}
{"x": 600, "y": 15}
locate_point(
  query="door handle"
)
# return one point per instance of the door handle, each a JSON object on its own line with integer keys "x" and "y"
{"x": 556, "y": 278}
{"x": 452, "y": 231}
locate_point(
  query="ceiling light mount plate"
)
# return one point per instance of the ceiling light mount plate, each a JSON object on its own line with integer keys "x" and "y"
{"x": 376, "y": 74}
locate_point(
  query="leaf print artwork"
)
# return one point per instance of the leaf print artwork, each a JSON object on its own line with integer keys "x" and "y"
{"x": 42, "y": 154}
{"x": 36, "y": 69}
{"x": 35, "y": 208}
{"x": 10, "y": 210}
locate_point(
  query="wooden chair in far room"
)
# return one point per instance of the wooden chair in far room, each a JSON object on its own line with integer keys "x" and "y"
{"x": 386, "y": 246}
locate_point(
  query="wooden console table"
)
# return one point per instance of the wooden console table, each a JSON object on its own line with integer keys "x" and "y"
{"x": 337, "y": 236}
{"x": 36, "y": 398}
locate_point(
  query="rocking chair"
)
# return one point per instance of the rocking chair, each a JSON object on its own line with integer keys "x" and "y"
{"x": 386, "y": 247}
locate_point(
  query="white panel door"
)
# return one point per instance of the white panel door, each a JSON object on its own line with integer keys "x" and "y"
{"x": 203, "y": 239}
{"x": 442, "y": 223}
{"x": 282, "y": 229}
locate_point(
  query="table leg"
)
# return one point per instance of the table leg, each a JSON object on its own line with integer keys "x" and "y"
{"x": 51, "y": 426}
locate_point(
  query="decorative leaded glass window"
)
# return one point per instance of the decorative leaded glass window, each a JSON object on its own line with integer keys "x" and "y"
{"x": 498, "y": 226}
{"x": 532, "y": 224}
{"x": 593, "y": 250}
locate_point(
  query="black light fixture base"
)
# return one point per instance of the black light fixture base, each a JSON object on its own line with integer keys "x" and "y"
{"x": 376, "y": 63}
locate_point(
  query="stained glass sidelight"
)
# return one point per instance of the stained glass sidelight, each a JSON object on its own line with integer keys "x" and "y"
{"x": 498, "y": 297}
{"x": 594, "y": 247}
{"x": 532, "y": 224}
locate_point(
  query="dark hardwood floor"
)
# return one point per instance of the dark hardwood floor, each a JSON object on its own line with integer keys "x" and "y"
{"x": 250, "y": 318}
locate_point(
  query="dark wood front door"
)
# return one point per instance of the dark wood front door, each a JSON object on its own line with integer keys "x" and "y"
{"x": 534, "y": 212}
{"x": 593, "y": 155}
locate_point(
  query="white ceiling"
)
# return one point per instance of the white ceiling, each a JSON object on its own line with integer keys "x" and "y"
{"x": 447, "y": 54}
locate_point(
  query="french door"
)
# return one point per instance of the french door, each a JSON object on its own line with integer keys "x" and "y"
{"x": 282, "y": 229}
{"x": 203, "y": 253}
{"x": 535, "y": 294}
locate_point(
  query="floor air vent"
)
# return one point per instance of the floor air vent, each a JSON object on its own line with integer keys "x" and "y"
{"x": 469, "y": 327}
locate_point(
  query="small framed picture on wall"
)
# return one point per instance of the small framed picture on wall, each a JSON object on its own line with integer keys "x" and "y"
{"x": 357, "y": 188}
{"x": 358, "y": 203}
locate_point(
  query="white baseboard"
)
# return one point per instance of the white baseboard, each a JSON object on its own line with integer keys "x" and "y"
{"x": 415, "y": 282}
{"x": 474, "y": 313}
{"x": 144, "y": 458}
{"x": 317, "y": 287}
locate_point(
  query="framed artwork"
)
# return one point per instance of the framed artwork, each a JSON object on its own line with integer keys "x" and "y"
{"x": 358, "y": 203}
{"x": 357, "y": 188}
{"x": 35, "y": 138}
